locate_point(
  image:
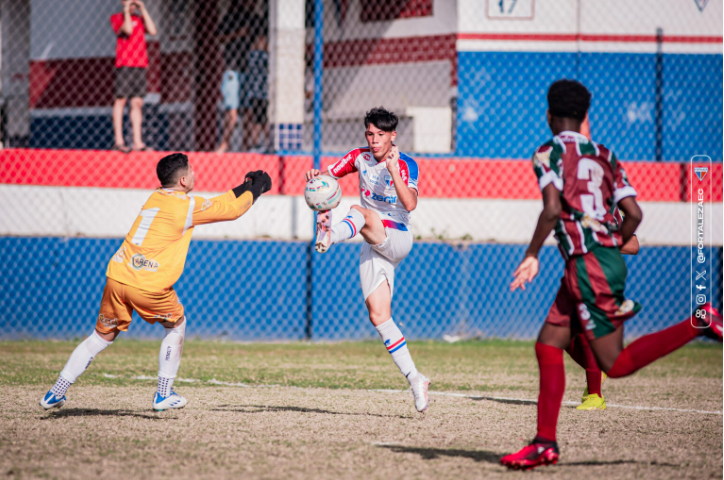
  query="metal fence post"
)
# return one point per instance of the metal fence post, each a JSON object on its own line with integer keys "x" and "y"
{"x": 317, "y": 149}
{"x": 659, "y": 97}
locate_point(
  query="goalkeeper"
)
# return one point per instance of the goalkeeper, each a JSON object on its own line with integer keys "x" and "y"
{"x": 141, "y": 274}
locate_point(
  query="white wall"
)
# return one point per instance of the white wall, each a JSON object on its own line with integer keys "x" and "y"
{"x": 62, "y": 211}
{"x": 590, "y": 17}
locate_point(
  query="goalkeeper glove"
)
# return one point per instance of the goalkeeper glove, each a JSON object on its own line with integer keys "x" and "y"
{"x": 257, "y": 183}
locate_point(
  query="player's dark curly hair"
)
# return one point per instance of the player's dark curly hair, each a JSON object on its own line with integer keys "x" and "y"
{"x": 568, "y": 99}
{"x": 382, "y": 119}
{"x": 170, "y": 168}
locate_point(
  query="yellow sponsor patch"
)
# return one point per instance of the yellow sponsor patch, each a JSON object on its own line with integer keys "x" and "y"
{"x": 140, "y": 262}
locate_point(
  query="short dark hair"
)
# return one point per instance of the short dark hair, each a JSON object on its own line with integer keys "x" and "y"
{"x": 382, "y": 119}
{"x": 169, "y": 168}
{"x": 568, "y": 99}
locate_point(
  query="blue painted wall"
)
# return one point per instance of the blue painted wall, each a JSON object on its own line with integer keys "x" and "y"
{"x": 51, "y": 288}
{"x": 502, "y": 102}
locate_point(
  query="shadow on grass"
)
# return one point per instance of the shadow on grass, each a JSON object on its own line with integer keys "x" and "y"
{"x": 615, "y": 462}
{"x": 515, "y": 401}
{"x": 492, "y": 457}
{"x": 96, "y": 412}
{"x": 433, "y": 453}
{"x": 266, "y": 408}
{"x": 506, "y": 401}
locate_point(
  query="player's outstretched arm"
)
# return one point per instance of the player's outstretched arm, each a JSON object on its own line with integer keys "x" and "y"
{"x": 528, "y": 268}
{"x": 406, "y": 195}
{"x": 234, "y": 203}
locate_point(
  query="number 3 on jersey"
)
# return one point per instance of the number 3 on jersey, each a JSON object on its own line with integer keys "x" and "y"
{"x": 147, "y": 217}
{"x": 593, "y": 172}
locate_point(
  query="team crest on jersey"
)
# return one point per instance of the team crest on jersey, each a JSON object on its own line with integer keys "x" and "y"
{"x": 388, "y": 180}
{"x": 120, "y": 254}
{"x": 544, "y": 157}
{"x": 140, "y": 262}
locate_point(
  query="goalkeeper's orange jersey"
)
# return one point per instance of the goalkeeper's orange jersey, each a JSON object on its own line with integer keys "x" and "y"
{"x": 153, "y": 254}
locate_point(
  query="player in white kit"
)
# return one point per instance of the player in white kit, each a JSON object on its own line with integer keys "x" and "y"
{"x": 388, "y": 193}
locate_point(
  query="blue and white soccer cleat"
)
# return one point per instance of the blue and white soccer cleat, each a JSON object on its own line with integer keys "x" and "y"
{"x": 172, "y": 401}
{"x": 51, "y": 401}
{"x": 419, "y": 386}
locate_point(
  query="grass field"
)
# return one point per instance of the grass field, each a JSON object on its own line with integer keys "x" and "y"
{"x": 301, "y": 410}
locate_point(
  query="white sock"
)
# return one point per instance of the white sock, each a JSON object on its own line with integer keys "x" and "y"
{"x": 397, "y": 346}
{"x": 349, "y": 227}
{"x": 169, "y": 357}
{"x": 79, "y": 360}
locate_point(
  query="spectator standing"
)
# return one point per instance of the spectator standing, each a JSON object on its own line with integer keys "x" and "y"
{"x": 236, "y": 31}
{"x": 131, "y": 26}
{"x": 257, "y": 93}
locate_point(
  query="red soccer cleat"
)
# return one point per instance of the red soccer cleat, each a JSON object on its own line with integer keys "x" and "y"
{"x": 710, "y": 320}
{"x": 532, "y": 456}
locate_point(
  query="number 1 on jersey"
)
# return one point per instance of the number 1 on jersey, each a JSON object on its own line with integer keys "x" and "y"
{"x": 142, "y": 230}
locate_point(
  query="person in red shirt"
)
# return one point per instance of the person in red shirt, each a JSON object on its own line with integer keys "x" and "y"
{"x": 131, "y": 26}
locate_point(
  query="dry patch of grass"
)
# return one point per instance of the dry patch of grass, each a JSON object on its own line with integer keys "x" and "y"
{"x": 322, "y": 423}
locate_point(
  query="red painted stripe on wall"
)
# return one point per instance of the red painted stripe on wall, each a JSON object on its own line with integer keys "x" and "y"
{"x": 506, "y": 179}
{"x": 380, "y": 51}
{"x": 574, "y": 37}
{"x": 715, "y": 178}
{"x": 94, "y": 168}
{"x": 440, "y": 178}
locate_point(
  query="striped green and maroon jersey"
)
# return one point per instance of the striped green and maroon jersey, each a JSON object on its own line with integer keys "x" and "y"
{"x": 592, "y": 181}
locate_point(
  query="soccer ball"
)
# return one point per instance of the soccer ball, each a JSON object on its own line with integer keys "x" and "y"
{"x": 322, "y": 193}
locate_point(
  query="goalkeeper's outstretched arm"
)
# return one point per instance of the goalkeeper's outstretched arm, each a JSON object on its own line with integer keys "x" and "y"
{"x": 234, "y": 203}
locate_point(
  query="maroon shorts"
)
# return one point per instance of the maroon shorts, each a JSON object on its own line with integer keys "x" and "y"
{"x": 591, "y": 297}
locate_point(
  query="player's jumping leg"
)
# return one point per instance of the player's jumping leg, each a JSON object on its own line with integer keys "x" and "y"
{"x": 378, "y": 304}
{"x": 327, "y": 235}
{"x": 580, "y": 351}
{"x": 618, "y": 362}
{"x": 78, "y": 362}
{"x": 169, "y": 359}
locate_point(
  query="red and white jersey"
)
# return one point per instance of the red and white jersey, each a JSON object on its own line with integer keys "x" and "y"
{"x": 592, "y": 181}
{"x": 377, "y": 191}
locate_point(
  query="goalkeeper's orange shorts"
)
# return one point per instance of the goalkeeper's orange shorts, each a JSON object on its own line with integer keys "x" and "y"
{"x": 119, "y": 301}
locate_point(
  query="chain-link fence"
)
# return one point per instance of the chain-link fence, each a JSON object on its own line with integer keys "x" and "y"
{"x": 89, "y": 87}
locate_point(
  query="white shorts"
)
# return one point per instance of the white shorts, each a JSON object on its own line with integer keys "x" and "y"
{"x": 377, "y": 263}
